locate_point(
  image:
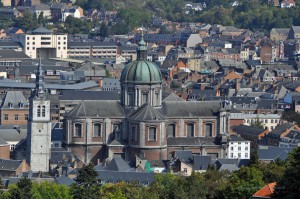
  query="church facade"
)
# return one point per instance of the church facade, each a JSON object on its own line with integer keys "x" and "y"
{"x": 144, "y": 122}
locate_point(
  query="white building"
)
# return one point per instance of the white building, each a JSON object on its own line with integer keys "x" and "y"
{"x": 238, "y": 148}
{"x": 268, "y": 120}
{"x": 74, "y": 12}
{"x": 43, "y": 43}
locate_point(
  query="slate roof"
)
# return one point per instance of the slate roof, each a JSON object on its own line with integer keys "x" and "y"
{"x": 201, "y": 162}
{"x": 64, "y": 180}
{"x": 267, "y": 104}
{"x": 190, "y": 109}
{"x": 89, "y": 95}
{"x": 147, "y": 113}
{"x": 104, "y": 108}
{"x": 281, "y": 128}
{"x": 130, "y": 177}
{"x": 3, "y": 142}
{"x": 241, "y": 129}
{"x": 14, "y": 98}
{"x": 7, "y": 54}
{"x": 242, "y": 100}
{"x": 59, "y": 154}
{"x": 42, "y": 30}
{"x": 79, "y": 86}
{"x": 190, "y": 141}
{"x": 9, "y": 165}
{"x": 271, "y": 153}
{"x": 172, "y": 98}
{"x": 118, "y": 164}
{"x": 12, "y": 135}
{"x": 185, "y": 156}
{"x": 234, "y": 138}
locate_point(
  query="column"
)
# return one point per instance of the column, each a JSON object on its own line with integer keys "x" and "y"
{"x": 181, "y": 128}
{"x": 142, "y": 134}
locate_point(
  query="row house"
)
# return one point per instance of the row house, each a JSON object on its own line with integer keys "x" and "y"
{"x": 92, "y": 49}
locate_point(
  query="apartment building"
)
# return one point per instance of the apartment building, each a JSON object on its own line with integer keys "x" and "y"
{"x": 43, "y": 43}
{"x": 238, "y": 148}
{"x": 92, "y": 50}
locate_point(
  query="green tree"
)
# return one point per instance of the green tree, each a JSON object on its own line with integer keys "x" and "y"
{"x": 289, "y": 186}
{"x": 86, "y": 186}
{"x": 47, "y": 190}
{"x": 243, "y": 183}
{"x": 22, "y": 190}
{"x": 257, "y": 123}
{"x": 272, "y": 172}
{"x": 103, "y": 30}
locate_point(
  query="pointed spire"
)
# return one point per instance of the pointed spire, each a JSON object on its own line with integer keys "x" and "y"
{"x": 142, "y": 48}
{"x": 39, "y": 81}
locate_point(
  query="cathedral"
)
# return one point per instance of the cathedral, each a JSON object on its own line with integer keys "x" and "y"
{"x": 146, "y": 122}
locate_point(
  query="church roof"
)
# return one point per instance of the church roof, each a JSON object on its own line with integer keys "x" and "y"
{"x": 141, "y": 72}
{"x": 172, "y": 98}
{"x": 101, "y": 108}
{"x": 118, "y": 164}
{"x": 189, "y": 109}
{"x": 147, "y": 113}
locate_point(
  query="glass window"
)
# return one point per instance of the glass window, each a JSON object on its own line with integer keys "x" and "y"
{"x": 208, "y": 130}
{"x": 39, "y": 111}
{"x": 190, "y": 130}
{"x": 16, "y": 117}
{"x": 239, "y": 155}
{"x": 152, "y": 134}
{"x": 145, "y": 98}
{"x": 130, "y": 95}
{"x": 171, "y": 130}
{"x": 246, "y": 155}
{"x": 43, "y": 111}
{"x": 231, "y": 155}
{"x": 5, "y": 116}
{"x": 116, "y": 130}
{"x": 26, "y": 116}
{"x": 239, "y": 148}
{"x": 246, "y": 148}
{"x": 78, "y": 129}
{"x": 97, "y": 130}
{"x": 133, "y": 133}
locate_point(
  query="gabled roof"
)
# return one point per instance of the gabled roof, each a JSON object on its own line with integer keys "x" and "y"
{"x": 185, "y": 156}
{"x": 7, "y": 54}
{"x": 64, "y": 180}
{"x": 172, "y": 97}
{"x": 190, "y": 108}
{"x": 9, "y": 165}
{"x": 133, "y": 177}
{"x": 241, "y": 129}
{"x": 266, "y": 191}
{"x": 103, "y": 108}
{"x": 89, "y": 95}
{"x": 271, "y": 153}
{"x": 281, "y": 128}
{"x": 201, "y": 162}
{"x": 13, "y": 99}
{"x": 118, "y": 164}
{"x": 42, "y": 30}
{"x": 147, "y": 113}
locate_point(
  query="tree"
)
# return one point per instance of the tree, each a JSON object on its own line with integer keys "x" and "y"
{"x": 22, "y": 190}
{"x": 289, "y": 186}
{"x": 103, "y": 30}
{"x": 86, "y": 186}
{"x": 257, "y": 123}
{"x": 47, "y": 190}
{"x": 244, "y": 182}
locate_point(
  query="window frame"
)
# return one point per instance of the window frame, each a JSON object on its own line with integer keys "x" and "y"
{"x": 76, "y": 134}
{"x": 154, "y": 139}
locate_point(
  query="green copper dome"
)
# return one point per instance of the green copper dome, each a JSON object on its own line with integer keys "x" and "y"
{"x": 141, "y": 72}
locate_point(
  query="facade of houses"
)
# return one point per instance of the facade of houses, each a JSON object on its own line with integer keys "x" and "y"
{"x": 238, "y": 147}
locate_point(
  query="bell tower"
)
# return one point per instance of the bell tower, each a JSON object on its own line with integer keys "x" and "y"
{"x": 39, "y": 126}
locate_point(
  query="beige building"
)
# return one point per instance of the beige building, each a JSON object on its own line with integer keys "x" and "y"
{"x": 43, "y": 43}
{"x": 92, "y": 50}
{"x": 6, "y": 3}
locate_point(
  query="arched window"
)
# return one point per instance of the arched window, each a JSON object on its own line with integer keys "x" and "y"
{"x": 39, "y": 111}
{"x": 130, "y": 100}
{"x": 145, "y": 97}
{"x": 78, "y": 130}
{"x": 190, "y": 130}
{"x": 171, "y": 130}
{"x": 208, "y": 130}
{"x": 97, "y": 130}
{"x": 43, "y": 111}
